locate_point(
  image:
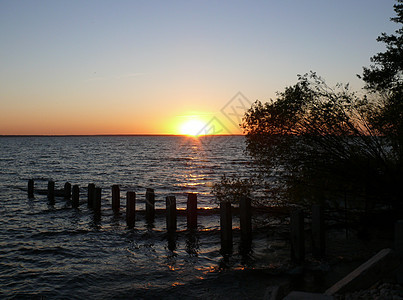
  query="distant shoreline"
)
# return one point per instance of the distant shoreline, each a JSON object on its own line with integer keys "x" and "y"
{"x": 111, "y": 135}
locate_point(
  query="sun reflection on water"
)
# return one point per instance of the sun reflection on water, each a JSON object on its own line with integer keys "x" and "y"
{"x": 171, "y": 268}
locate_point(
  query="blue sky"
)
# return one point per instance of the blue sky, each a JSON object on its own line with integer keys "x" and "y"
{"x": 135, "y": 66}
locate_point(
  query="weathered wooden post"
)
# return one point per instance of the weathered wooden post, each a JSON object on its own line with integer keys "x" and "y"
{"x": 318, "y": 231}
{"x": 67, "y": 190}
{"x": 51, "y": 191}
{"x": 226, "y": 227}
{"x": 150, "y": 205}
{"x": 130, "y": 209}
{"x": 91, "y": 195}
{"x": 97, "y": 200}
{"x": 192, "y": 211}
{"x": 171, "y": 213}
{"x": 245, "y": 213}
{"x": 75, "y": 199}
{"x": 172, "y": 240}
{"x": 297, "y": 236}
{"x": 115, "y": 198}
{"x": 30, "y": 188}
{"x": 192, "y": 243}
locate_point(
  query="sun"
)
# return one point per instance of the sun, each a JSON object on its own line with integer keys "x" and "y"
{"x": 192, "y": 127}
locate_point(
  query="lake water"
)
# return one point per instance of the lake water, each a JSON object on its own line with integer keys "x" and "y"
{"x": 56, "y": 252}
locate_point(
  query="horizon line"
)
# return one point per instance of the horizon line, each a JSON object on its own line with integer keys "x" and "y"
{"x": 105, "y": 135}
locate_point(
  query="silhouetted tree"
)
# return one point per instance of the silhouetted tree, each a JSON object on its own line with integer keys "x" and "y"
{"x": 386, "y": 74}
{"x": 314, "y": 143}
{"x": 385, "y": 78}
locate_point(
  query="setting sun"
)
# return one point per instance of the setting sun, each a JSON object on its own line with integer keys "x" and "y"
{"x": 192, "y": 127}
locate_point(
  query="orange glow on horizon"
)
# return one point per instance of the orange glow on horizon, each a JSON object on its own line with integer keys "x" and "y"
{"x": 192, "y": 124}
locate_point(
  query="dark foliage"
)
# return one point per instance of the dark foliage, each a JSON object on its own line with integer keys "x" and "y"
{"x": 315, "y": 143}
{"x": 385, "y": 78}
{"x": 320, "y": 144}
{"x": 386, "y": 73}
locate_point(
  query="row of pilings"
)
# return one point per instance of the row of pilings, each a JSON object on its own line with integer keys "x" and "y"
{"x": 297, "y": 230}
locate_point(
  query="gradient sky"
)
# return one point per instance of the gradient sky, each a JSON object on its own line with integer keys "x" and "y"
{"x": 145, "y": 67}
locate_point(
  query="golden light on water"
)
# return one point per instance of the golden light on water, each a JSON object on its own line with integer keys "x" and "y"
{"x": 176, "y": 283}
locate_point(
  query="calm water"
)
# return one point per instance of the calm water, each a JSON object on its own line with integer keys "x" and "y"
{"x": 54, "y": 251}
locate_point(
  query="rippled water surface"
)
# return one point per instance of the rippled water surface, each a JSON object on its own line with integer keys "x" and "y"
{"x": 54, "y": 251}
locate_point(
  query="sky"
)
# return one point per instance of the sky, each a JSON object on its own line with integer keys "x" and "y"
{"x": 149, "y": 67}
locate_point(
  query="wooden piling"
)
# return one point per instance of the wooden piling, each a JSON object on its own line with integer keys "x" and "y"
{"x": 97, "y": 200}
{"x": 115, "y": 198}
{"x": 130, "y": 209}
{"x": 192, "y": 244}
{"x": 171, "y": 240}
{"x": 318, "y": 231}
{"x": 67, "y": 190}
{"x": 297, "y": 236}
{"x": 191, "y": 211}
{"x": 171, "y": 213}
{"x": 150, "y": 205}
{"x": 91, "y": 195}
{"x": 75, "y": 200}
{"x": 245, "y": 215}
{"x": 51, "y": 191}
{"x": 226, "y": 227}
{"x": 30, "y": 188}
